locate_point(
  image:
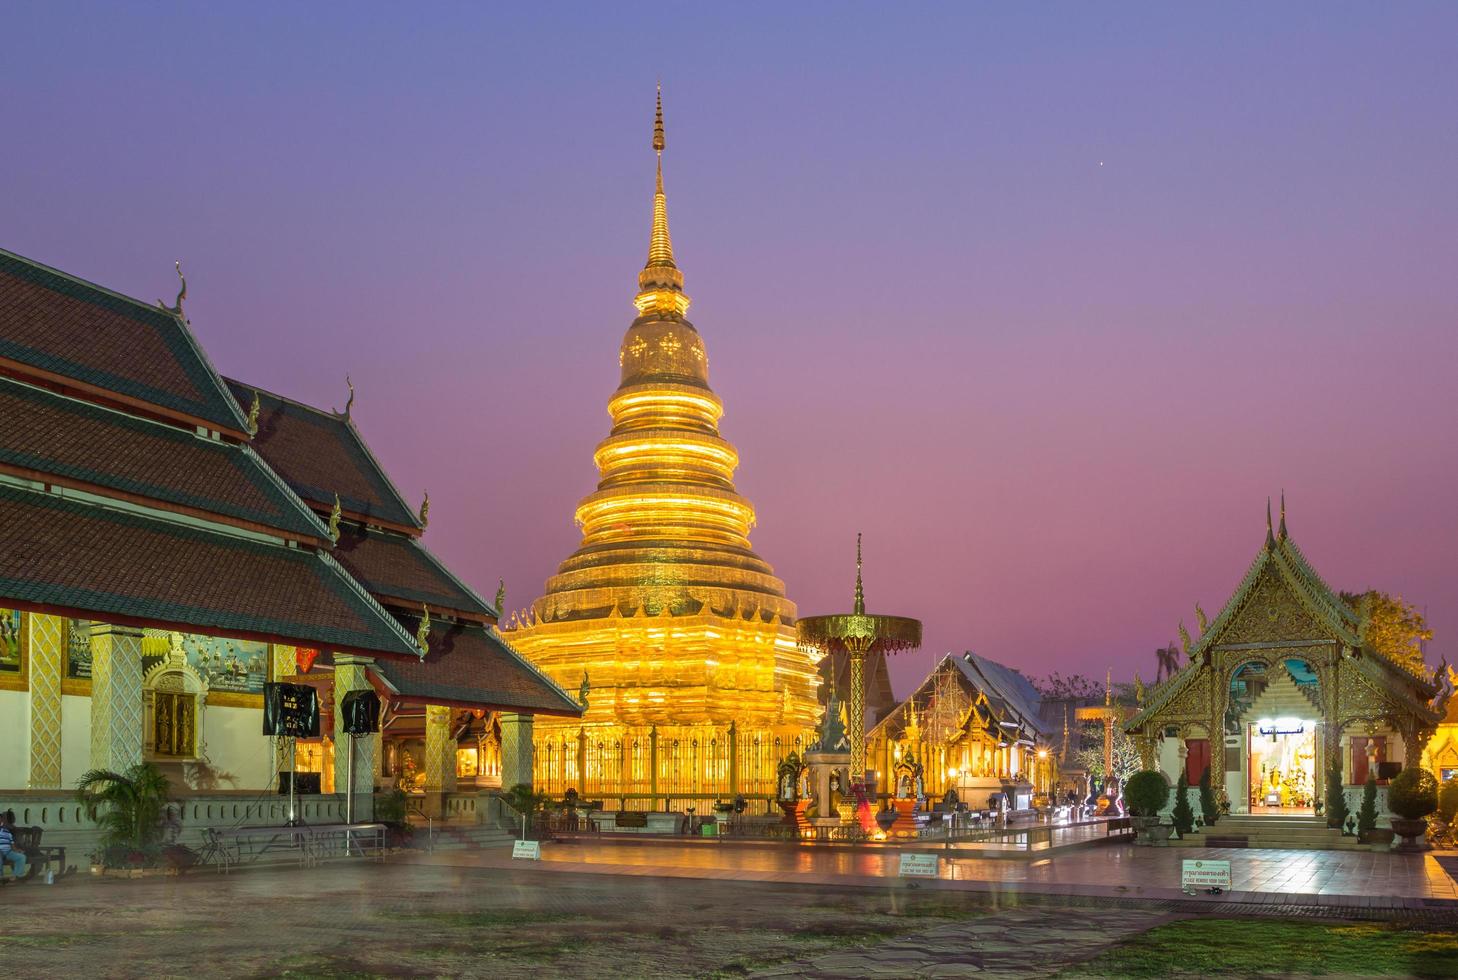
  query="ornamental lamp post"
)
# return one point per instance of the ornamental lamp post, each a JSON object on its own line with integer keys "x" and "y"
{"x": 857, "y": 635}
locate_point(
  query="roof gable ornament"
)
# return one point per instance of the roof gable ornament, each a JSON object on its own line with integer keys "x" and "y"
{"x": 500, "y": 595}
{"x": 334, "y": 516}
{"x": 1202, "y": 619}
{"x": 1185, "y": 639}
{"x": 253, "y": 411}
{"x": 422, "y": 633}
{"x": 1270, "y": 535}
{"x": 583, "y": 690}
{"x": 176, "y": 308}
{"x": 349, "y": 402}
{"x": 1281, "y": 534}
{"x": 425, "y": 511}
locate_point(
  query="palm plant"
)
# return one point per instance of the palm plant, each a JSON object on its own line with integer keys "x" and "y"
{"x": 127, "y": 806}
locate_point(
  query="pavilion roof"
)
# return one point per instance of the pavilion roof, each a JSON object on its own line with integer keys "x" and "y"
{"x": 320, "y": 454}
{"x": 114, "y": 562}
{"x": 89, "y": 447}
{"x": 65, "y": 331}
{"x": 401, "y": 572}
{"x": 1000, "y": 694}
{"x": 469, "y": 666}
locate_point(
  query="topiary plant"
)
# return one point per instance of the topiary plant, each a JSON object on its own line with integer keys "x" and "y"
{"x": 1146, "y": 792}
{"x": 1208, "y": 810}
{"x": 1413, "y": 794}
{"x": 1448, "y": 801}
{"x": 1367, "y": 815}
{"x": 1336, "y": 799}
{"x": 1183, "y": 816}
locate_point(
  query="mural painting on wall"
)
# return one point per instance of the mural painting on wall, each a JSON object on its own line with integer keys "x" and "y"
{"x": 10, "y": 641}
{"x": 228, "y": 666}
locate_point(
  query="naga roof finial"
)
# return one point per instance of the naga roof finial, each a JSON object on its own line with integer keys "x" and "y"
{"x": 1270, "y": 534}
{"x": 176, "y": 308}
{"x": 253, "y": 411}
{"x": 860, "y": 606}
{"x": 334, "y": 516}
{"x": 425, "y": 511}
{"x": 1281, "y": 534}
{"x": 500, "y": 595}
{"x": 422, "y": 634}
{"x": 349, "y": 403}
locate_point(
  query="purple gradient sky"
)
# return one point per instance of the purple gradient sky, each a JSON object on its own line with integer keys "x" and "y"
{"x": 1045, "y": 300}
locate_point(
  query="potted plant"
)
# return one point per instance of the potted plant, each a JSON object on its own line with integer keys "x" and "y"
{"x": 1336, "y": 800}
{"x": 1183, "y": 816}
{"x": 1146, "y": 793}
{"x": 128, "y": 808}
{"x": 1209, "y": 811}
{"x": 1367, "y": 813}
{"x": 1412, "y": 795}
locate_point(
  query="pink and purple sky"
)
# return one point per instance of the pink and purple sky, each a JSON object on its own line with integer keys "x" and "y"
{"x": 1046, "y": 300}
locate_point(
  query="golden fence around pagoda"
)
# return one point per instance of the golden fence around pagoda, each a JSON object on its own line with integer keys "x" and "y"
{"x": 663, "y": 768}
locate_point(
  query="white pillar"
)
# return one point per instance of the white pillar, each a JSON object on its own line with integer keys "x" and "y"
{"x": 116, "y": 697}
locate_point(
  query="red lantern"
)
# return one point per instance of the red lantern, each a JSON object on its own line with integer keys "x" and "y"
{"x": 305, "y": 657}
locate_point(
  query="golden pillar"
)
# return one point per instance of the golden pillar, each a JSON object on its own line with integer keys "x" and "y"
{"x": 354, "y": 755}
{"x": 284, "y": 664}
{"x": 440, "y": 758}
{"x": 516, "y": 750}
{"x": 116, "y": 697}
{"x": 46, "y": 636}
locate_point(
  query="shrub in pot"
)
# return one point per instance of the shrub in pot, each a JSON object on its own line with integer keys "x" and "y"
{"x": 1183, "y": 816}
{"x": 1209, "y": 812}
{"x": 1146, "y": 793}
{"x": 1412, "y": 795}
{"x": 1367, "y": 814}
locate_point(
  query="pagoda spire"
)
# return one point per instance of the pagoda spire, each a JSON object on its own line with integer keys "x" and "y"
{"x": 860, "y": 606}
{"x": 660, "y": 284}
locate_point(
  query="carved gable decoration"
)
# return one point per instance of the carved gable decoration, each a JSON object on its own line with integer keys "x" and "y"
{"x": 1273, "y": 613}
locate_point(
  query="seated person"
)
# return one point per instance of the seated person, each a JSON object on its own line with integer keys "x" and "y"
{"x": 9, "y": 853}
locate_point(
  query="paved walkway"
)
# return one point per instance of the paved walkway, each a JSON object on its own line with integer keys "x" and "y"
{"x": 1349, "y": 879}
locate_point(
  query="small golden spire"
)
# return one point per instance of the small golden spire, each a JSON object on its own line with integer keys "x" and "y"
{"x": 860, "y": 606}
{"x": 660, "y": 284}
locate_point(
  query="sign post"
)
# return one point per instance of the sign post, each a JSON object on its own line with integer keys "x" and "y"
{"x": 1204, "y": 875}
{"x": 527, "y": 850}
{"x": 915, "y": 865}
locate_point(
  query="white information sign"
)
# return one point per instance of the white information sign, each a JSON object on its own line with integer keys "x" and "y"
{"x": 530, "y": 850}
{"x": 913, "y": 865}
{"x": 1202, "y": 874}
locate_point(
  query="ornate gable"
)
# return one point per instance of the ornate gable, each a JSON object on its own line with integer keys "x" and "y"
{"x": 1273, "y": 612}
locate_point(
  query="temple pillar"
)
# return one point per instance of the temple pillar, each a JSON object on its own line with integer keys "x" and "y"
{"x": 653, "y": 768}
{"x": 116, "y": 697}
{"x": 354, "y": 755}
{"x": 733, "y": 760}
{"x": 440, "y": 758}
{"x": 516, "y": 750}
{"x": 47, "y": 640}
{"x": 284, "y": 664}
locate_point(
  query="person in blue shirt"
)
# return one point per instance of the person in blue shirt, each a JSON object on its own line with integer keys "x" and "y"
{"x": 9, "y": 853}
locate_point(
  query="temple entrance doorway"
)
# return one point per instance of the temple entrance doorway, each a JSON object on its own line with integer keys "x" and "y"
{"x": 1282, "y": 754}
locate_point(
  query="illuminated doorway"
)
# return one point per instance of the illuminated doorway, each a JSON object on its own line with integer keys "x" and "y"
{"x": 1282, "y": 753}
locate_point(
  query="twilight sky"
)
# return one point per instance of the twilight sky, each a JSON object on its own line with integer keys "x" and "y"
{"x": 1045, "y": 299}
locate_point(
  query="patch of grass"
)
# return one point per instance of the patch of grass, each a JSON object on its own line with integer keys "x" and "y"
{"x": 487, "y": 918}
{"x": 1264, "y": 948}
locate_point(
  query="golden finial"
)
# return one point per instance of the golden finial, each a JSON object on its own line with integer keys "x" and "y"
{"x": 1185, "y": 639}
{"x": 253, "y": 411}
{"x": 334, "y": 516}
{"x": 1138, "y": 690}
{"x": 500, "y": 595}
{"x": 425, "y": 510}
{"x": 349, "y": 404}
{"x": 1109, "y": 688}
{"x": 176, "y": 308}
{"x": 583, "y": 690}
{"x": 1270, "y": 535}
{"x": 860, "y": 607}
{"x": 1281, "y": 533}
{"x": 1201, "y": 618}
{"x": 422, "y": 633}
{"x": 660, "y": 284}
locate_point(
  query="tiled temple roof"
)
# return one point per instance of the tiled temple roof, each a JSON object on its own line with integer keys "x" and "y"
{"x": 470, "y": 666}
{"x": 84, "y": 444}
{"x": 67, "y": 331}
{"x": 82, "y": 559}
{"x": 320, "y": 454}
{"x": 400, "y": 571}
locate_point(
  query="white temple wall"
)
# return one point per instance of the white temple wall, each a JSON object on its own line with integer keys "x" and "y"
{"x": 1168, "y": 758}
{"x": 237, "y": 747}
{"x": 75, "y": 739}
{"x": 14, "y": 739}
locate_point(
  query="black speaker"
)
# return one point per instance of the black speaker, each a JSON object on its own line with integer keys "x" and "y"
{"x": 304, "y": 782}
{"x": 1388, "y": 770}
{"x": 290, "y": 710}
{"x": 361, "y": 712}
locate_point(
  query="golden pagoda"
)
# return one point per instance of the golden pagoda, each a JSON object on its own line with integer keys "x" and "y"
{"x": 678, "y": 636}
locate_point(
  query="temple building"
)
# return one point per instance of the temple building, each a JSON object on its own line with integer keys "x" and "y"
{"x": 679, "y": 637}
{"x": 973, "y": 726}
{"x": 1282, "y": 686}
{"x": 170, "y": 543}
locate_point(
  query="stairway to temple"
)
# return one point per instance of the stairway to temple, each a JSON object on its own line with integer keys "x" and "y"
{"x": 1297, "y": 832}
{"x": 463, "y": 837}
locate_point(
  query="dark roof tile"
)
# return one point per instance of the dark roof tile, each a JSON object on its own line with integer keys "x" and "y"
{"x": 400, "y": 571}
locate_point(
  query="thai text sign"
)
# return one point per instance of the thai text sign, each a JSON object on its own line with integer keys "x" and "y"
{"x": 917, "y": 866}
{"x": 1203, "y": 874}
{"x": 530, "y": 850}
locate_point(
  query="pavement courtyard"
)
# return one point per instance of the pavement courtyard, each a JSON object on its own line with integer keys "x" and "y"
{"x": 666, "y": 909}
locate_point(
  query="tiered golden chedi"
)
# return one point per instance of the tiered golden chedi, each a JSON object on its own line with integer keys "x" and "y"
{"x": 679, "y": 635}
